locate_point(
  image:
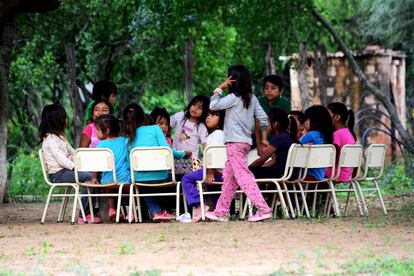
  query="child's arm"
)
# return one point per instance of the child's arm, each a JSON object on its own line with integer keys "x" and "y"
{"x": 61, "y": 157}
{"x": 210, "y": 176}
{"x": 218, "y": 103}
{"x": 267, "y": 153}
{"x": 162, "y": 142}
{"x": 261, "y": 116}
{"x": 86, "y": 137}
{"x": 258, "y": 135}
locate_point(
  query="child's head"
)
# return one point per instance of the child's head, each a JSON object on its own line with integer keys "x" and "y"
{"x": 197, "y": 109}
{"x": 318, "y": 118}
{"x": 104, "y": 90}
{"x": 107, "y": 126}
{"x": 100, "y": 107}
{"x": 54, "y": 121}
{"x": 133, "y": 117}
{"x": 242, "y": 86}
{"x": 342, "y": 116}
{"x": 300, "y": 119}
{"x": 272, "y": 87}
{"x": 280, "y": 121}
{"x": 215, "y": 120}
{"x": 161, "y": 118}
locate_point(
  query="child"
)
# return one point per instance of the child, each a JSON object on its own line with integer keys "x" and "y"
{"x": 108, "y": 129}
{"x": 141, "y": 134}
{"x": 190, "y": 130}
{"x": 89, "y": 137}
{"x": 214, "y": 123}
{"x": 284, "y": 129}
{"x": 58, "y": 153}
{"x": 161, "y": 118}
{"x": 300, "y": 122}
{"x": 241, "y": 107}
{"x": 272, "y": 90}
{"x": 102, "y": 90}
{"x": 319, "y": 129}
{"x": 343, "y": 135}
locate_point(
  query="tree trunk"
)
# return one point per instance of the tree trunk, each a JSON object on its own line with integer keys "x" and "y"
{"x": 321, "y": 71}
{"x": 73, "y": 92}
{"x": 188, "y": 68}
{"x": 303, "y": 77}
{"x": 405, "y": 136}
{"x": 7, "y": 30}
{"x": 270, "y": 61}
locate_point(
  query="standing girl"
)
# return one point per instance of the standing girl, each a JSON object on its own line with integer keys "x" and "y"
{"x": 108, "y": 130}
{"x": 214, "y": 123}
{"x": 241, "y": 108}
{"x": 319, "y": 129}
{"x": 58, "y": 153}
{"x": 343, "y": 122}
{"x": 190, "y": 130}
{"x": 89, "y": 138}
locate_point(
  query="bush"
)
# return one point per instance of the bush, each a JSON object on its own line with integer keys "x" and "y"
{"x": 26, "y": 176}
{"x": 397, "y": 179}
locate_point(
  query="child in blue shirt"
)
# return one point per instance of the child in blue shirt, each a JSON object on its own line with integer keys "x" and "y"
{"x": 108, "y": 130}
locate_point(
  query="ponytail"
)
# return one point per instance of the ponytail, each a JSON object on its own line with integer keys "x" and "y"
{"x": 133, "y": 117}
{"x": 351, "y": 122}
{"x": 293, "y": 128}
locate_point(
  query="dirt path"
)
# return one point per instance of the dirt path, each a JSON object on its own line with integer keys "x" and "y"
{"x": 237, "y": 248}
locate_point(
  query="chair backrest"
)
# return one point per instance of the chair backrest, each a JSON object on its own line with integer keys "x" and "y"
{"x": 297, "y": 158}
{"x": 44, "y": 169}
{"x": 214, "y": 157}
{"x": 375, "y": 158}
{"x": 94, "y": 160}
{"x": 146, "y": 159}
{"x": 322, "y": 156}
{"x": 350, "y": 157}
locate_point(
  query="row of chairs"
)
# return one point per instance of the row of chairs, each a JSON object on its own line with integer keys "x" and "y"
{"x": 301, "y": 157}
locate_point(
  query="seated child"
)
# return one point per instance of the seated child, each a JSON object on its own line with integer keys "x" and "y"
{"x": 161, "y": 118}
{"x": 89, "y": 138}
{"x": 102, "y": 90}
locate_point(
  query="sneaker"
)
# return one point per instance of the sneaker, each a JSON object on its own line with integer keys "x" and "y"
{"x": 80, "y": 220}
{"x": 213, "y": 216}
{"x": 97, "y": 219}
{"x": 258, "y": 217}
{"x": 197, "y": 213}
{"x": 162, "y": 216}
{"x": 127, "y": 217}
{"x": 111, "y": 213}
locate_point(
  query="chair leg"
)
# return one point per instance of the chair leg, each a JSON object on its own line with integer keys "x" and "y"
{"x": 118, "y": 207}
{"x": 242, "y": 213}
{"x": 62, "y": 207}
{"x": 328, "y": 205}
{"x": 75, "y": 200}
{"x": 138, "y": 204}
{"x": 347, "y": 199}
{"x": 90, "y": 205}
{"x": 315, "y": 194}
{"x": 364, "y": 204}
{"x": 380, "y": 197}
{"x": 306, "y": 194}
{"x": 177, "y": 208}
{"x": 335, "y": 201}
{"x": 282, "y": 200}
{"x": 200, "y": 190}
{"x": 185, "y": 203}
{"x": 298, "y": 209}
{"x": 81, "y": 209}
{"x": 304, "y": 200}
{"x": 42, "y": 221}
{"x": 361, "y": 212}
{"x": 131, "y": 203}
{"x": 292, "y": 211}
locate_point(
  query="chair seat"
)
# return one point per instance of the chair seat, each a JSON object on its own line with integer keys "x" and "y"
{"x": 163, "y": 184}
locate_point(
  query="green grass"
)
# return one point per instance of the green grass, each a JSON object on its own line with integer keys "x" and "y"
{"x": 383, "y": 266}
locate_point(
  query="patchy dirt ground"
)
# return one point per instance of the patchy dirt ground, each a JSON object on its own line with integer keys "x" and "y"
{"x": 238, "y": 247}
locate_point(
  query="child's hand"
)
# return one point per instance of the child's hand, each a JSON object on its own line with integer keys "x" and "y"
{"x": 187, "y": 154}
{"x": 210, "y": 177}
{"x": 226, "y": 84}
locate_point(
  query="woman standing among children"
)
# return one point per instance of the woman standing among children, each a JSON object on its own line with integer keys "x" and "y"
{"x": 241, "y": 108}
{"x": 141, "y": 134}
{"x": 108, "y": 131}
{"x": 214, "y": 123}
{"x": 343, "y": 122}
{"x": 89, "y": 138}
{"x": 283, "y": 132}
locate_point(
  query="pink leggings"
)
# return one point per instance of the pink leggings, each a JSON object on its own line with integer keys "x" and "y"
{"x": 236, "y": 173}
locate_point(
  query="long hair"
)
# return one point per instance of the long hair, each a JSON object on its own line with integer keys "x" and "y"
{"x": 221, "y": 114}
{"x": 108, "y": 122}
{"x": 133, "y": 117}
{"x": 205, "y": 103}
{"x": 242, "y": 87}
{"x": 160, "y": 112}
{"x": 286, "y": 123}
{"x": 53, "y": 121}
{"x": 320, "y": 120}
{"x": 347, "y": 115}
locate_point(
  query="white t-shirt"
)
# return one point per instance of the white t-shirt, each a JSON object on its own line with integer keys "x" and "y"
{"x": 216, "y": 138}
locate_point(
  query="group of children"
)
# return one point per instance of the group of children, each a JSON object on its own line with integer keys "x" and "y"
{"x": 220, "y": 120}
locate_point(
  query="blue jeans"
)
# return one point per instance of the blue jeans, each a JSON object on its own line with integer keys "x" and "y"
{"x": 68, "y": 176}
{"x": 151, "y": 202}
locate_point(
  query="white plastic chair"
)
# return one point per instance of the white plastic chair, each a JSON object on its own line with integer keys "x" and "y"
{"x": 98, "y": 160}
{"x": 375, "y": 159}
{"x": 68, "y": 187}
{"x": 146, "y": 159}
{"x": 350, "y": 157}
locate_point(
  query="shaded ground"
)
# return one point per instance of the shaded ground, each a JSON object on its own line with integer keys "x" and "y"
{"x": 315, "y": 246}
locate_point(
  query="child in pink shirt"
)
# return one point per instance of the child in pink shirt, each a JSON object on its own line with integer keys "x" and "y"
{"x": 343, "y": 121}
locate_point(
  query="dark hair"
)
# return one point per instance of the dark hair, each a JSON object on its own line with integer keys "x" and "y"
{"x": 242, "y": 87}
{"x": 53, "y": 121}
{"x": 347, "y": 115}
{"x": 103, "y": 89}
{"x": 108, "y": 122}
{"x": 95, "y": 103}
{"x": 301, "y": 116}
{"x": 160, "y": 112}
{"x": 286, "y": 122}
{"x": 321, "y": 120}
{"x": 222, "y": 115}
{"x": 133, "y": 117}
{"x": 274, "y": 79}
{"x": 198, "y": 99}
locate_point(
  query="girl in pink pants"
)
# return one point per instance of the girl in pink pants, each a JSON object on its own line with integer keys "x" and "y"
{"x": 242, "y": 107}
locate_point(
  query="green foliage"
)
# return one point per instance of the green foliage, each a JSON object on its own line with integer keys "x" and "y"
{"x": 396, "y": 179}
{"x": 126, "y": 248}
{"x": 380, "y": 266}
